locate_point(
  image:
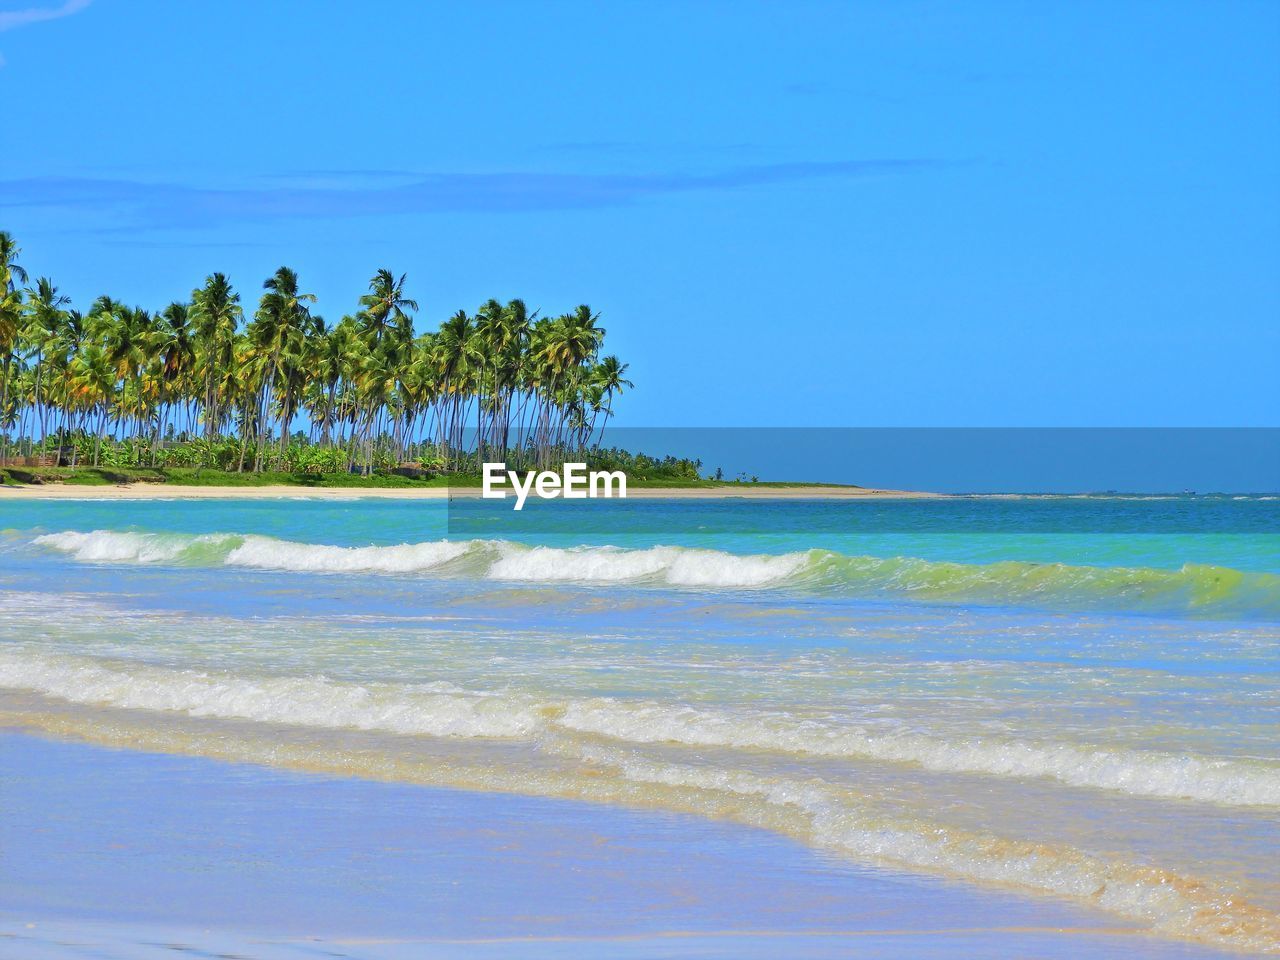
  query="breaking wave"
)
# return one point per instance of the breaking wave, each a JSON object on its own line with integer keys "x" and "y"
{"x": 680, "y": 566}
{"x": 437, "y": 710}
{"x": 264, "y": 553}
{"x": 1193, "y": 589}
{"x": 1134, "y": 772}
{"x": 442, "y": 710}
{"x": 598, "y": 746}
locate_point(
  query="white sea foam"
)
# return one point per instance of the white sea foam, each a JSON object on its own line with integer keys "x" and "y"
{"x": 426, "y": 709}
{"x": 267, "y": 553}
{"x": 680, "y": 566}
{"x": 263, "y": 553}
{"x": 1193, "y": 589}
{"x": 431, "y": 710}
{"x": 104, "y": 546}
{"x": 1134, "y": 772}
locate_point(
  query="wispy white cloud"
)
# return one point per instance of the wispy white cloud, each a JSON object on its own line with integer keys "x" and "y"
{"x": 129, "y": 204}
{"x": 12, "y": 19}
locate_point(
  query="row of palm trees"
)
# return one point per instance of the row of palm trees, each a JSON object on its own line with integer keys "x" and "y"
{"x": 502, "y": 383}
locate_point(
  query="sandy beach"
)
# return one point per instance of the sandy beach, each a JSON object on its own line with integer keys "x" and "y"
{"x": 243, "y": 860}
{"x": 162, "y": 491}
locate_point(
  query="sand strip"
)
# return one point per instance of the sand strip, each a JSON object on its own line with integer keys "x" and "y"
{"x": 165, "y": 491}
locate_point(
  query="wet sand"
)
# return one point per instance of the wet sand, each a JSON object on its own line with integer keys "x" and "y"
{"x": 112, "y": 853}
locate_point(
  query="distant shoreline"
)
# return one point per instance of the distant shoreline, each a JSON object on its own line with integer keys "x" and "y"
{"x": 164, "y": 491}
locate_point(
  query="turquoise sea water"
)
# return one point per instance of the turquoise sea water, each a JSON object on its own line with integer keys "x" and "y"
{"x": 1077, "y": 698}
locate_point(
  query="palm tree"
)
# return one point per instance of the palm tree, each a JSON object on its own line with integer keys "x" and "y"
{"x": 503, "y": 334}
{"x": 127, "y": 334}
{"x": 44, "y": 326}
{"x": 11, "y": 275}
{"x": 387, "y": 328}
{"x": 453, "y": 350}
{"x": 385, "y": 304}
{"x": 607, "y": 378}
{"x": 278, "y": 332}
{"x": 67, "y": 344}
{"x": 215, "y": 317}
{"x": 92, "y": 388}
{"x": 529, "y": 387}
{"x": 174, "y": 349}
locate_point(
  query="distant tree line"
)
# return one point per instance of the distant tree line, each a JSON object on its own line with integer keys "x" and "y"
{"x": 270, "y": 389}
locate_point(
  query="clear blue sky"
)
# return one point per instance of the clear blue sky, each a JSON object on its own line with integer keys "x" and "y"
{"x": 791, "y": 213}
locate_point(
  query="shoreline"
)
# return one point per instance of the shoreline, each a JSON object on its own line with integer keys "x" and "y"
{"x": 595, "y": 879}
{"x": 164, "y": 491}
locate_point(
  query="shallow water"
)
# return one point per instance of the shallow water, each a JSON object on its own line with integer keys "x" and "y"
{"x": 122, "y": 854}
{"x": 1077, "y": 698}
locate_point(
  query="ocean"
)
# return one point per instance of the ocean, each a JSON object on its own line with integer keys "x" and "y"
{"x": 1067, "y": 698}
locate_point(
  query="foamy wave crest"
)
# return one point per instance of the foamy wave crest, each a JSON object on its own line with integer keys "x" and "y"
{"x": 428, "y": 709}
{"x": 263, "y": 553}
{"x": 1196, "y": 590}
{"x": 680, "y": 566}
{"x": 443, "y": 711}
{"x": 1134, "y": 772}
{"x": 267, "y": 553}
{"x": 677, "y": 566}
{"x": 105, "y": 546}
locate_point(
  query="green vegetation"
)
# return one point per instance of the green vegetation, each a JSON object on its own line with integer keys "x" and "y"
{"x": 198, "y": 387}
{"x": 185, "y": 476}
{"x": 181, "y": 463}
